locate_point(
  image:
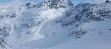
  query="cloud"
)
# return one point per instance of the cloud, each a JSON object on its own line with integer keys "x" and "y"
{"x": 88, "y": 1}
{"x": 100, "y": 1}
{"x": 11, "y": 3}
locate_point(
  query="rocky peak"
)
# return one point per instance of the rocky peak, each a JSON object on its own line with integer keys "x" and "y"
{"x": 50, "y": 4}
{"x": 59, "y": 3}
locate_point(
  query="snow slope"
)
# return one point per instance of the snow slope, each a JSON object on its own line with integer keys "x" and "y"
{"x": 98, "y": 37}
{"x": 55, "y": 24}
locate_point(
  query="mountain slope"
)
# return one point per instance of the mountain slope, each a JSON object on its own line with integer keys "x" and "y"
{"x": 54, "y": 24}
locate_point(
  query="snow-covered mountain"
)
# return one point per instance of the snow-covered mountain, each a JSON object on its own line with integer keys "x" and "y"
{"x": 55, "y": 24}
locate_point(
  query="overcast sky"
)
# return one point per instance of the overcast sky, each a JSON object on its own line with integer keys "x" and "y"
{"x": 74, "y": 1}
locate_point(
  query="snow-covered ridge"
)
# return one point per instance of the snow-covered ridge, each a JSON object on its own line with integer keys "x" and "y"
{"x": 49, "y": 23}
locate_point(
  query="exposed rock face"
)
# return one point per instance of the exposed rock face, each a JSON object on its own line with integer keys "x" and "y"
{"x": 3, "y": 43}
{"x": 107, "y": 1}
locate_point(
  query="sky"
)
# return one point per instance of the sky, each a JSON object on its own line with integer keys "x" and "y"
{"x": 74, "y": 1}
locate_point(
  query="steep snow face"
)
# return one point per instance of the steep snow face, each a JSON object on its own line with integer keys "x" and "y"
{"x": 50, "y": 23}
